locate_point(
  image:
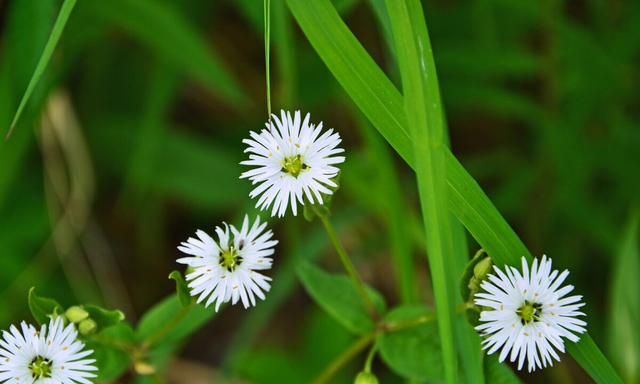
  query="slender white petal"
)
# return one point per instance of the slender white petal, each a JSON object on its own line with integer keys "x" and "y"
{"x": 527, "y": 314}
{"x": 51, "y": 355}
{"x": 291, "y": 159}
{"x": 226, "y": 270}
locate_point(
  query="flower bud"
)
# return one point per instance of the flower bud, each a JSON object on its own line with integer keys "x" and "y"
{"x": 76, "y": 314}
{"x": 482, "y": 269}
{"x": 87, "y": 327}
{"x": 366, "y": 378}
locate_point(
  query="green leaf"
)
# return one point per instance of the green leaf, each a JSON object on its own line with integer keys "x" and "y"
{"x": 104, "y": 318}
{"x": 337, "y": 295}
{"x": 168, "y": 322}
{"x": 54, "y": 37}
{"x": 413, "y": 352}
{"x": 381, "y": 102}
{"x": 42, "y": 308}
{"x": 426, "y": 122}
{"x": 497, "y": 372}
{"x": 159, "y": 26}
{"x": 624, "y": 341}
{"x": 109, "y": 350}
{"x": 182, "y": 289}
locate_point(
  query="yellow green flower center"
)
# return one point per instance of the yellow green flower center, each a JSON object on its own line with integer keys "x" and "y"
{"x": 529, "y": 312}
{"x": 294, "y": 165}
{"x": 40, "y": 368}
{"x": 229, "y": 259}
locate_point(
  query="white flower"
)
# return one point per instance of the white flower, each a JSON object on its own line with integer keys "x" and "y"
{"x": 226, "y": 270}
{"x": 529, "y": 314}
{"x": 53, "y": 355}
{"x": 292, "y": 161}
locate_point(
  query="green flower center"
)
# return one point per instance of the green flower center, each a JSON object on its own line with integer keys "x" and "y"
{"x": 529, "y": 312}
{"x": 294, "y": 165}
{"x": 40, "y": 367}
{"x": 229, "y": 259}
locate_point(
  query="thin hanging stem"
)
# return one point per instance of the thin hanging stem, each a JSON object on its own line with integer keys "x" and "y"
{"x": 370, "y": 356}
{"x": 346, "y": 262}
{"x": 344, "y": 358}
{"x": 267, "y": 53}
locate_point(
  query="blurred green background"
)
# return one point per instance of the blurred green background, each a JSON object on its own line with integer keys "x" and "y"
{"x": 132, "y": 141}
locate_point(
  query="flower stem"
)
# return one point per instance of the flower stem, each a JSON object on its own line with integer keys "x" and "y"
{"x": 344, "y": 358}
{"x": 346, "y": 262}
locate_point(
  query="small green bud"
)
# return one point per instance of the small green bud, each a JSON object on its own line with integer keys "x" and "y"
{"x": 87, "y": 327}
{"x": 366, "y": 378}
{"x": 76, "y": 314}
{"x": 482, "y": 269}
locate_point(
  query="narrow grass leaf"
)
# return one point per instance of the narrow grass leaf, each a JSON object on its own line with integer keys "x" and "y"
{"x": 624, "y": 311}
{"x": 54, "y": 37}
{"x": 426, "y": 123}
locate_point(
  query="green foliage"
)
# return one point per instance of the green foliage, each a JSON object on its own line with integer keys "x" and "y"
{"x": 336, "y": 294}
{"x": 43, "y": 308}
{"x": 498, "y": 373}
{"x": 111, "y": 349}
{"x": 168, "y": 322}
{"x": 358, "y": 74}
{"x": 159, "y": 26}
{"x": 58, "y": 27}
{"x": 541, "y": 104}
{"x": 415, "y": 351}
{"x": 182, "y": 289}
{"x": 104, "y": 318}
{"x": 426, "y": 123}
{"x": 624, "y": 342}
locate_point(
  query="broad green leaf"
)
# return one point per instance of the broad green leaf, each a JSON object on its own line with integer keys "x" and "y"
{"x": 413, "y": 352}
{"x": 182, "y": 289}
{"x": 624, "y": 340}
{"x": 497, "y": 372}
{"x": 426, "y": 124}
{"x": 42, "y": 308}
{"x": 381, "y": 102}
{"x": 104, "y": 318}
{"x": 54, "y": 37}
{"x": 337, "y": 295}
{"x": 110, "y": 351}
{"x": 160, "y": 26}
{"x": 168, "y": 322}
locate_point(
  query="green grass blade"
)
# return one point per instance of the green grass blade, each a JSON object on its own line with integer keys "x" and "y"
{"x": 54, "y": 37}
{"x": 426, "y": 123}
{"x": 624, "y": 310}
{"x": 589, "y": 356}
{"x": 381, "y": 102}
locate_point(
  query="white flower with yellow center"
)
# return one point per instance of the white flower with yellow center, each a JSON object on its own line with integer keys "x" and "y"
{"x": 293, "y": 160}
{"x": 52, "y": 355}
{"x": 225, "y": 270}
{"x": 527, "y": 315}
